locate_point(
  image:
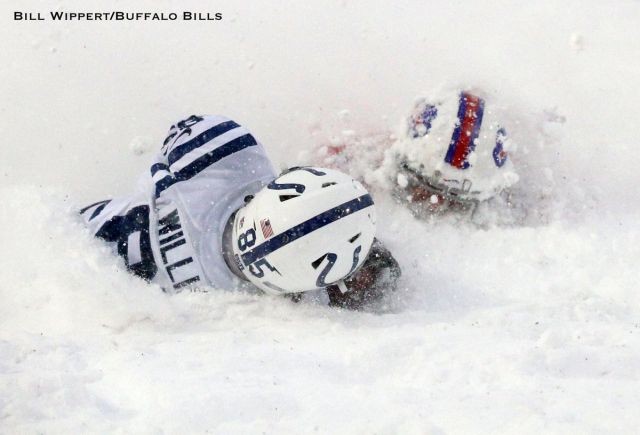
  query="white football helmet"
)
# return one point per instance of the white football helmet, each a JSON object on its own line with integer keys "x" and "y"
{"x": 309, "y": 228}
{"x": 456, "y": 149}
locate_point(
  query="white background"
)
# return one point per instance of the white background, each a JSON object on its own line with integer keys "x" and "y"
{"x": 513, "y": 329}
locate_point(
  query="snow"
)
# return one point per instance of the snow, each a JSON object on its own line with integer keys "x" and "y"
{"x": 498, "y": 328}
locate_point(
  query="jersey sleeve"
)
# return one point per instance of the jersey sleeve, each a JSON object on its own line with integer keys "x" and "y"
{"x": 194, "y": 145}
{"x": 124, "y": 224}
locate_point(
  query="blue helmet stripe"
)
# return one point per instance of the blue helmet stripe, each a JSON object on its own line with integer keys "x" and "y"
{"x": 306, "y": 227}
{"x": 462, "y": 108}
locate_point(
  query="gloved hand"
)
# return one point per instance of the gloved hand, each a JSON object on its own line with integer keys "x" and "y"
{"x": 377, "y": 276}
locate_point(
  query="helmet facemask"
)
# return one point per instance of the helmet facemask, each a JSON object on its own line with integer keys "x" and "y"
{"x": 431, "y": 195}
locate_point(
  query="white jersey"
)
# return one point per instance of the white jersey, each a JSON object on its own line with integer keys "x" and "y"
{"x": 171, "y": 233}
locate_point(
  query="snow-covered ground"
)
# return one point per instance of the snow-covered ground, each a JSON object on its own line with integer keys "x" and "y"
{"x": 497, "y": 329}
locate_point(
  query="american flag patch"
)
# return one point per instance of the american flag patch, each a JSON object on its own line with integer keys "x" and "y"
{"x": 267, "y": 231}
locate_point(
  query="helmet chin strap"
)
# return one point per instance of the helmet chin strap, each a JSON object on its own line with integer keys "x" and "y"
{"x": 227, "y": 248}
{"x": 342, "y": 286}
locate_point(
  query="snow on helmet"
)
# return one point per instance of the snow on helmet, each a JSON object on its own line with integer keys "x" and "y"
{"x": 307, "y": 229}
{"x": 457, "y": 146}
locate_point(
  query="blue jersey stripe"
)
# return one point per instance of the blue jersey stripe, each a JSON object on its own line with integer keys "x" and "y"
{"x": 93, "y": 205}
{"x": 306, "y": 227}
{"x": 100, "y": 206}
{"x": 178, "y": 152}
{"x": 158, "y": 167}
{"x": 99, "y": 209}
{"x": 164, "y": 184}
{"x": 200, "y": 164}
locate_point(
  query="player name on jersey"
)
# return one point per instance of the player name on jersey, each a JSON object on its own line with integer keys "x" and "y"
{"x": 176, "y": 254}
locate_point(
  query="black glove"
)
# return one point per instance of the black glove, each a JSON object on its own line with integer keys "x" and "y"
{"x": 377, "y": 276}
